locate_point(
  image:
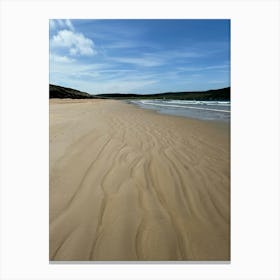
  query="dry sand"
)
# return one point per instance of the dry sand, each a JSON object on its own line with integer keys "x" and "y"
{"x": 130, "y": 184}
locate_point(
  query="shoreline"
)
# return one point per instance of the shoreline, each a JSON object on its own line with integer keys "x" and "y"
{"x": 180, "y": 111}
{"x": 127, "y": 184}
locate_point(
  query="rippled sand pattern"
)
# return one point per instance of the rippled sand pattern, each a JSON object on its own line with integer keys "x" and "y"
{"x": 130, "y": 184}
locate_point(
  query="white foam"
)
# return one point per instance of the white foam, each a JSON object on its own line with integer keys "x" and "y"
{"x": 188, "y": 102}
{"x": 182, "y": 106}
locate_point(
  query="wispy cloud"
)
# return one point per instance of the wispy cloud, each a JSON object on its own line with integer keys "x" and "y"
{"x": 69, "y": 24}
{"x": 61, "y": 24}
{"x": 216, "y": 82}
{"x": 145, "y": 61}
{"x": 121, "y": 45}
{"x": 105, "y": 84}
{"x": 182, "y": 53}
{"x": 124, "y": 86}
{"x": 52, "y": 24}
{"x": 203, "y": 68}
{"x": 75, "y": 68}
{"x": 101, "y": 56}
{"x": 157, "y": 58}
{"x": 60, "y": 59}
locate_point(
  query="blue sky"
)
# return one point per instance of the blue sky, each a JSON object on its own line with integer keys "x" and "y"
{"x": 140, "y": 56}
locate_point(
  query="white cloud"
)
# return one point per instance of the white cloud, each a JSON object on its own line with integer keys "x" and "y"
{"x": 69, "y": 24}
{"x": 52, "y": 24}
{"x": 76, "y": 43}
{"x": 61, "y": 24}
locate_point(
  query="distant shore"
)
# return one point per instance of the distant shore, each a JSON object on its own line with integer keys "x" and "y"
{"x": 222, "y": 94}
{"x": 129, "y": 184}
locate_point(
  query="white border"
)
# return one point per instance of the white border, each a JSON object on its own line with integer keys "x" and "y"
{"x": 255, "y": 138}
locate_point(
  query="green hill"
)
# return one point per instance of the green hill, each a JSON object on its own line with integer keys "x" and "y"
{"x": 215, "y": 94}
{"x": 63, "y": 92}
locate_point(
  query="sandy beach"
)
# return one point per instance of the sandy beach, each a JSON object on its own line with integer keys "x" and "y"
{"x": 128, "y": 184}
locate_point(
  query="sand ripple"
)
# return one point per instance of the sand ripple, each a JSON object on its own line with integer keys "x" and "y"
{"x": 129, "y": 184}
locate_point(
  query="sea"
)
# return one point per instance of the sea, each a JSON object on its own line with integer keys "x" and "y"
{"x": 203, "y": 110}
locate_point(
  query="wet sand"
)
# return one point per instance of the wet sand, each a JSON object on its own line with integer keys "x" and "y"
{"x": 129, "y": 184}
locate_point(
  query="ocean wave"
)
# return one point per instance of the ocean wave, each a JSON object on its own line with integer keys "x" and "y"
{"x": 205, "y": 110}
{"x": 186, "y": 102}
